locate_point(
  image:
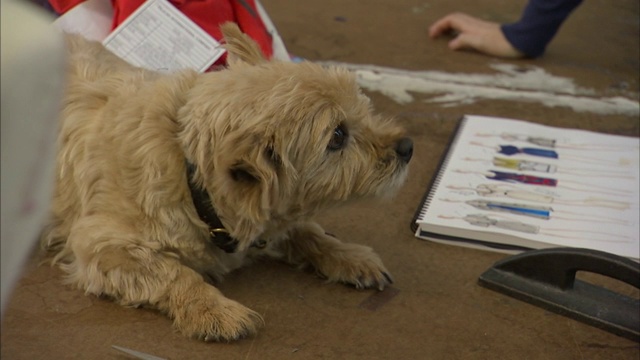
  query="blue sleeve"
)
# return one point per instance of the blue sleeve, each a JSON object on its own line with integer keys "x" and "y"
{"x": 538, "y": 25}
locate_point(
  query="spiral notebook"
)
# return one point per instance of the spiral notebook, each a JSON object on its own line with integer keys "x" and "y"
{"x": 509, "y": 185}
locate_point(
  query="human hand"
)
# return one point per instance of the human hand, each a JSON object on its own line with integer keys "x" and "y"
{"x": 473, "y": 33}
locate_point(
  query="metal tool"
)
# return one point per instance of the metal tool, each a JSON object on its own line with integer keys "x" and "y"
{"x": 547, "y": 278}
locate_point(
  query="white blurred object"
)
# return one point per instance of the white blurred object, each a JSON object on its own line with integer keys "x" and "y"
{"x": 92, "y": 19}
{"x": 32, "y": 82}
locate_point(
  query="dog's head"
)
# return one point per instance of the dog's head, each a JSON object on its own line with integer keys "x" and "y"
{"x": 275, "y": 142}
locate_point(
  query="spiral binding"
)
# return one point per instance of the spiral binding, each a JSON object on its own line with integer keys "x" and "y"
{"x": 435, "y": 182}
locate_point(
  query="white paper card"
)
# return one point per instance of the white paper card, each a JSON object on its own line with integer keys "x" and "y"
{"x": 157, "y": 36}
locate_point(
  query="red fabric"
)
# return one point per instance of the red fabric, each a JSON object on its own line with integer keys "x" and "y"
{"x": 208, "y": 14}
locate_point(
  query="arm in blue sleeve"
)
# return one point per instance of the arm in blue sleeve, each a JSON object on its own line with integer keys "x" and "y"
{"x": 538, "y": 25}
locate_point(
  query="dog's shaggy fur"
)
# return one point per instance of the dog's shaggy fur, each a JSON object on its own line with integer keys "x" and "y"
{"x": 273, "y": 143}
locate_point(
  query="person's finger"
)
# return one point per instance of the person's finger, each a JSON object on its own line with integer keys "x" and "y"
{"x": 439, "y": 27}
{"x": 464, "y": 41}
{"x": 457, "y": 43}
{"x": 447, "y": 23}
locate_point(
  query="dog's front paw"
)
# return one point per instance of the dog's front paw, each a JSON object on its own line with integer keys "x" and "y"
{"x": 355, "y": 264}
{"x": 216, "y": 318}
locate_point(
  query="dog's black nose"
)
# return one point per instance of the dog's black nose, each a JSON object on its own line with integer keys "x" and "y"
{"x": 404, "y": 149}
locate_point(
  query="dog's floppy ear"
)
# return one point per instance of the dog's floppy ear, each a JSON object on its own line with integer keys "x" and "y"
{"x": 240, "y": 47}
{"x": 256, "y": 170}
{"x": 253, "y": 186}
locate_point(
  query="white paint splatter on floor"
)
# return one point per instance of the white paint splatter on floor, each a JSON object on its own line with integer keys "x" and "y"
{"x": 513, "y": 83}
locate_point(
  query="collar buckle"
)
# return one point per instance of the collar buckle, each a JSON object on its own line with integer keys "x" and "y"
{"x": 218, "y": 231}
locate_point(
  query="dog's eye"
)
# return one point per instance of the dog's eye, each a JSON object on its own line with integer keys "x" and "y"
{"x": 338, "y": 139}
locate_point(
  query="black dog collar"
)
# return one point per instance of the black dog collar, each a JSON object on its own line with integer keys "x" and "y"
{"x": 218, "y": 235}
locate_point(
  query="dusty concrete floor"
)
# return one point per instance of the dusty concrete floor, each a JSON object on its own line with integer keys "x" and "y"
{"x": 438, "y": 311}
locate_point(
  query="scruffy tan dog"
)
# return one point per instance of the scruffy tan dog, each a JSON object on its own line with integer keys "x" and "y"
{"x": 165, "y": 180}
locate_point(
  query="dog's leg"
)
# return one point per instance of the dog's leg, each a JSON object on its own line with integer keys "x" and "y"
{"x": 339, "y": 262}
{"x": 112, "y": 259}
